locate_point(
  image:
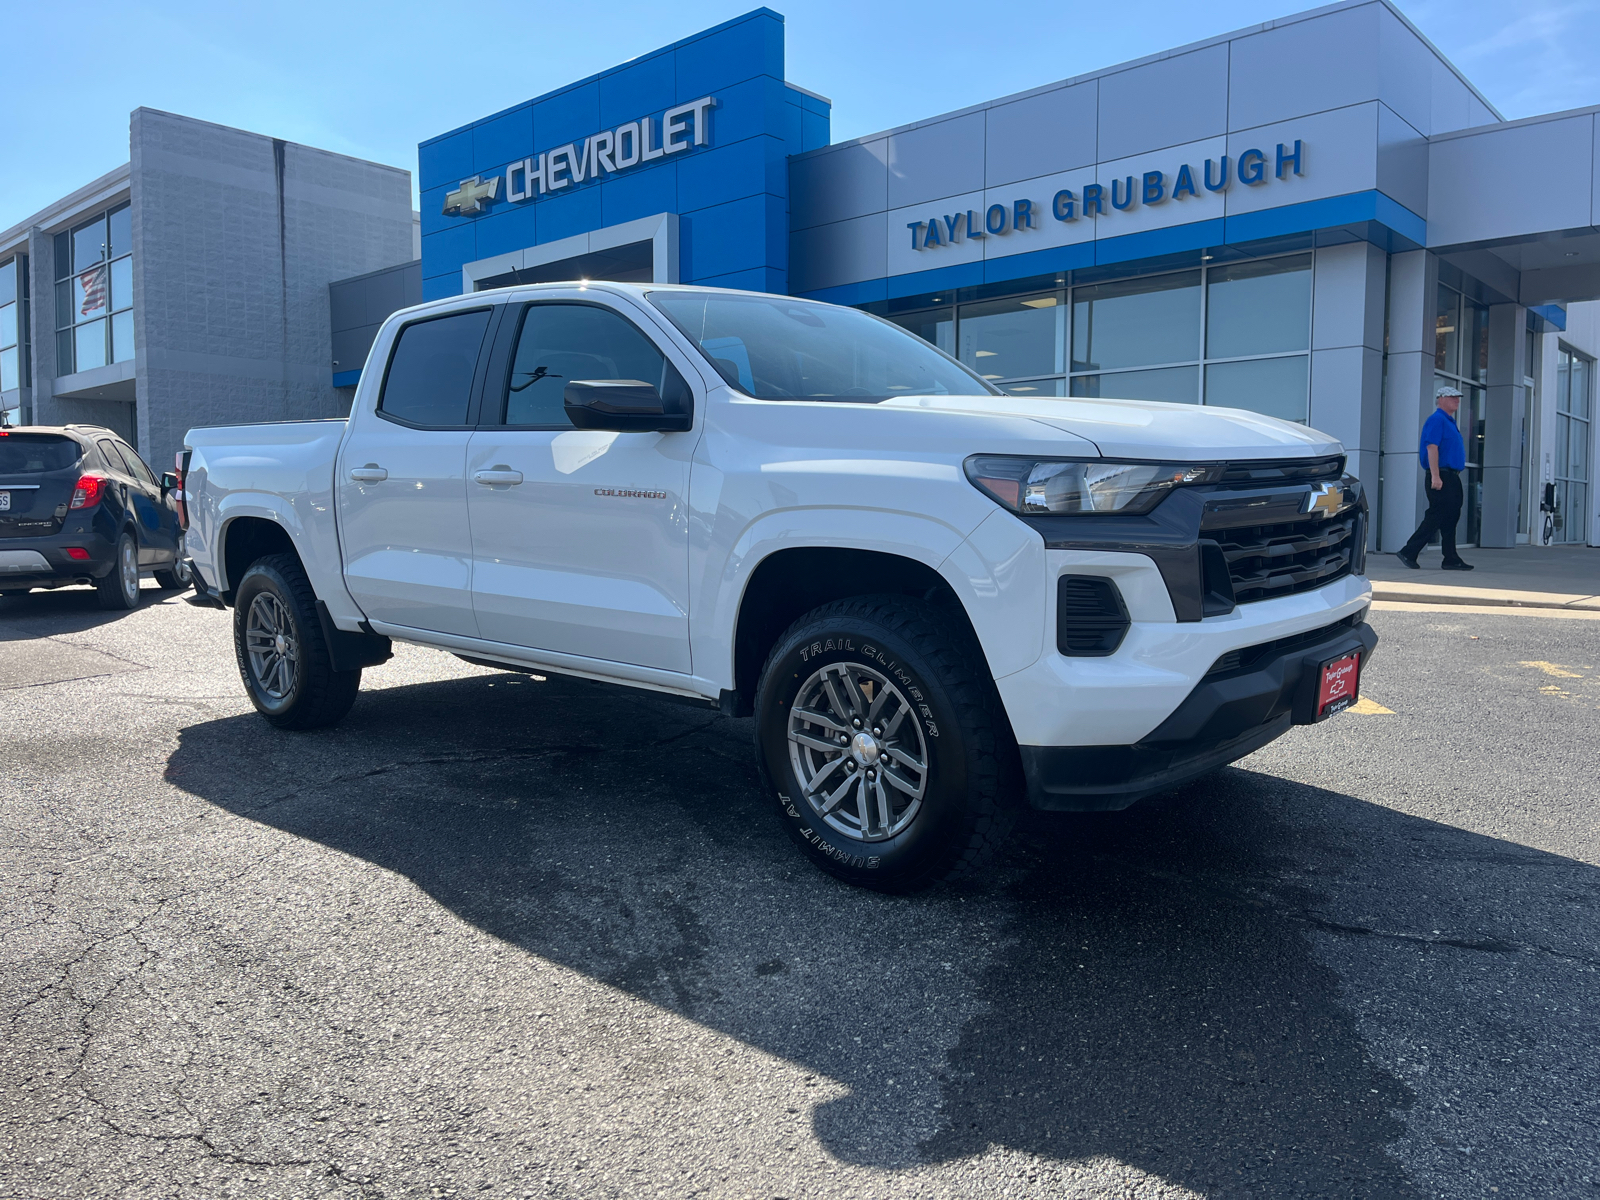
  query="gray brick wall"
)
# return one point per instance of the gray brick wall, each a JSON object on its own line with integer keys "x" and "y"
{"x": 236, "y": 237}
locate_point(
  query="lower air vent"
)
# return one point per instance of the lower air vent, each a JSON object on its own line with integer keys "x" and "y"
{"x": 1091, "y": 619}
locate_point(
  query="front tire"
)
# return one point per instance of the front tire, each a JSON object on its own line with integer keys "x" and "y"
{"x": 119, "y": 590}
{"x": 880, "y": 734}
{"x": 283, "y": 658}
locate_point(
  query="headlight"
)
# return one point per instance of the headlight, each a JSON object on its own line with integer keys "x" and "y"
{"x": 1095, "y": 485}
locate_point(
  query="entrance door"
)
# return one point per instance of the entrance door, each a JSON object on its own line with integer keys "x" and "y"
{"x": 1574, "y": 431}
{"x": 580, "y": 540}
{"x": 401, "y": 482}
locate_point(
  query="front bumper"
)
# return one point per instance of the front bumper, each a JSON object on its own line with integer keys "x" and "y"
{"x": 1229, "y": 713}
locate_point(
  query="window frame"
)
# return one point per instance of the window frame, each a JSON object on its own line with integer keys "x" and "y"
{"x": 66, "y": 275}
{"x": 479, "y": 367}
{"x": 493, "y": 414}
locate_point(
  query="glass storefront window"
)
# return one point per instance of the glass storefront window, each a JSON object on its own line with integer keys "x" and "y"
{"x": 937, "y": 326}
{"x": 1574, "y": 432}
{"x": 1136, "y": 322}
{"x": 1021, "y": 336}
{"x": 1446, "y": 328}
{"x": 94, "y": 272}
{"x": 1176, "y": 385}
{"x": 1273, "y": 387}
{"x": 122, "y": 337}
{"x": 89, "y": 346}
{"x": 13, "y": 323}
{"x": 1258, "y": 307}
{"x": 1035, "y": 387}
{"x": 1155, "y": 337}
{"x": 1474, "y": 341}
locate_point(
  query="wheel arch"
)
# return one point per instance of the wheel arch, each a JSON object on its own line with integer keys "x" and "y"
{"x": 796, "y": 579}
{"x": 246, "y": 538}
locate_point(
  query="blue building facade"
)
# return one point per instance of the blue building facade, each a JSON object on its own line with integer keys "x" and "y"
{"x": 721, "y": 169}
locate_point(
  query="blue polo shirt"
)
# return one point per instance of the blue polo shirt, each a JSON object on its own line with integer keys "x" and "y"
{"x": 1442, "y": 431}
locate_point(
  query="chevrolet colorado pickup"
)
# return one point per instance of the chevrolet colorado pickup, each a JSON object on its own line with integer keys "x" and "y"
{"x": 937, "y": 601}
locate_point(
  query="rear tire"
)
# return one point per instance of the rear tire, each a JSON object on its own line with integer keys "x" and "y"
{"x": 283, "y": 658}
{"x": 119, "y": 590}
{"x": 174, "y": 580}
{"x": 904, "y": 801}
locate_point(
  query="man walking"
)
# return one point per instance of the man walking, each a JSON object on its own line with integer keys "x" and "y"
{"x": 1444, "y": 457}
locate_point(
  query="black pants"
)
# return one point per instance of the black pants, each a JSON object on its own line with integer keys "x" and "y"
{"x": 1444, "y": 510}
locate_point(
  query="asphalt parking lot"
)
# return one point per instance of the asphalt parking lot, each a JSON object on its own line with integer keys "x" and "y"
{"x": 501, "y": 937}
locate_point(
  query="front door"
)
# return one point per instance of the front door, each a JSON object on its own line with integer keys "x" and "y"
{"x": 580, "y": 539}
{"x": 401, "y": 481}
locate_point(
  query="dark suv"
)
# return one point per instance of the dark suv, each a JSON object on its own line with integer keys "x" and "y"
{"x": 78, "y": 505}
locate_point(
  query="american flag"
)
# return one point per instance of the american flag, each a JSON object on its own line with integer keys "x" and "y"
{"x": 93, "y": 283}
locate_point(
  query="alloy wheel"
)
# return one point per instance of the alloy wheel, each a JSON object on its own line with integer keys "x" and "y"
{"x": 862, "y": 766}
{"x": 270, "y": 642}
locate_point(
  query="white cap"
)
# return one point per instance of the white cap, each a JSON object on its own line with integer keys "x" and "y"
{"x": 1447, "y": 390}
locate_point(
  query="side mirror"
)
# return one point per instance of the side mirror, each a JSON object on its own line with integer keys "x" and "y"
{"x": 169, "y": 482}
{"x": 621, "y": 405}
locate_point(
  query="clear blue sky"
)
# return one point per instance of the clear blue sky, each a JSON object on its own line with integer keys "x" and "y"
{"x": 372, "y": 79}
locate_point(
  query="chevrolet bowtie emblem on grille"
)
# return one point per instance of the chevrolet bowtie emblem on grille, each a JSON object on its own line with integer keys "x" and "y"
{"x": 472, "y": 196}
{"x": 1325, "y": 499}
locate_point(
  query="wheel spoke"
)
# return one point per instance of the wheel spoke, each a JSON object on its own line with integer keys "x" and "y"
{"x": 899, "y": 781}
{"x": 816, "y": 718}
{"x": 816, "y": 743}
{"x": 893, "y": 726}
{"x": 900, "y": 756}
{"x": 828, "y": 769}
{"x": 883, "y": 804}
{"x": 838, "y": 794}
{"x": 858, "y": 702}
{"x": 861, "y": 805}
{"x": 839, "y": 706}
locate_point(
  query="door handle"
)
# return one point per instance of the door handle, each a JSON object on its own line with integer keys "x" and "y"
{"x": 498, "y": 474}
{"x": 371, "y": 473}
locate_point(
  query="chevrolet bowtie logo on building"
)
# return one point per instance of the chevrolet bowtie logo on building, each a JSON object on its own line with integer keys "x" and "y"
{"x": 473, "y": 196}
{"x": 1325, "y": 499}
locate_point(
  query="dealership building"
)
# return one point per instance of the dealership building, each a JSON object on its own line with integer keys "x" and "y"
{"x": 1318, "y": 218}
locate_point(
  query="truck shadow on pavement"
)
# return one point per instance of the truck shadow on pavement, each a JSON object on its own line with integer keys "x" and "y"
{"x": 1142, "y": 986}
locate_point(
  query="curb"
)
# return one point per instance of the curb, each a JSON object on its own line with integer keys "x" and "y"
{"x": 1486, "y": 597}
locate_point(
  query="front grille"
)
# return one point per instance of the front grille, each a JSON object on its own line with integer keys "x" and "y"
{"x": 1246, "y": 657}
{"x": 1091, "y": 619}
{"x": 1267, "y": 561}
{"x": 1295, "y": 470}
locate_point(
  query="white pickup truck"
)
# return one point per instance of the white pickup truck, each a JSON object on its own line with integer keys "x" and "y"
{"x": 938, "y": 602}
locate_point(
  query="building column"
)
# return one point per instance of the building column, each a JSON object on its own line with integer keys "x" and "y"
{"x": 1505, "y": 418}
{"x": 1347, "y": 354}
{"x": 47, "y": 410}
{"x": 1407, "y": 394}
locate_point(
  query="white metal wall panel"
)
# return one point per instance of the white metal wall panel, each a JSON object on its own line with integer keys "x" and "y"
{"x": 1164, "y": 103}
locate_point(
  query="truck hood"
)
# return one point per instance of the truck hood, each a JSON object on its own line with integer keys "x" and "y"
{"x": 1146, "y": 428}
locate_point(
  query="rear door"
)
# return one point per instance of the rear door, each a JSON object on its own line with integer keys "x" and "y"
{"x": 401, "y": 479}
{"x": 37, "y": 475}
{"x": 580, "y": 538}
{"x": 153, "y": 510}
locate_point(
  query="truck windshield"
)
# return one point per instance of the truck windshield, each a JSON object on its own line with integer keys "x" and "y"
{"x": 778, "y": 349}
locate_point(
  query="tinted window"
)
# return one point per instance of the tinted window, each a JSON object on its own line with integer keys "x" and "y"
{"x": 430, "y": 371}
{"x": 560, "y": 343}
{"x": 22, "y": 453}
{"x": 137, "y": 464}
{"x": 777, "y": 349}
{"x": 114, "y": 458}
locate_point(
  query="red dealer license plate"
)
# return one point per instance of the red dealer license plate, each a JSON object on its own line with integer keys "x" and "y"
{"x": 1336, "y": 691}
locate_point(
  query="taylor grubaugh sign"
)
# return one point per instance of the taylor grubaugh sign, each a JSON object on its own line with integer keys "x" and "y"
{"x": 1253, "y": 169}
